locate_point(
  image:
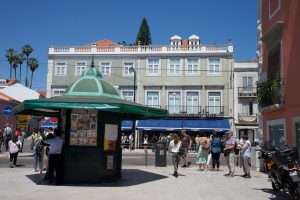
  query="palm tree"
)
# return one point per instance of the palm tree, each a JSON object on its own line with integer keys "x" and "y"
{"x": 27, "y": 50}
{"x": 21, "y": 58}
{"x": 10, "y": 56}
{"x": 33, "y": 64}
{"x": 15, "y": 64}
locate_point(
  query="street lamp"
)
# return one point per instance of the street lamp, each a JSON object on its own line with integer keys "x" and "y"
{"x": 132, "y": 70}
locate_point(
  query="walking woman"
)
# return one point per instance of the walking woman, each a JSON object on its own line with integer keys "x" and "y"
{"x": 202, "y": 152}
{"x": 14, "y": 147}
{"x": 174, "y": 147}
{"x": 215, "y": 148}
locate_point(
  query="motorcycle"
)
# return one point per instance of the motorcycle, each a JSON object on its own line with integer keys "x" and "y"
{"x": 282, "y": 167}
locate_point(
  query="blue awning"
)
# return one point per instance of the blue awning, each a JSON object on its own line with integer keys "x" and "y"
{"x": 126, "y": 125}
{"x": 195, "y": 125}
{"x": 159, "y": 125}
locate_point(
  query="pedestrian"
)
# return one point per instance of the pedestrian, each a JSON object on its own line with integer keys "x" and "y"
{"x": 37, "y": 150}
{"x": 154, "y": 140}
{"x": 123, "y": 140}
{"x": 1, "y": 138}
{"x": 186, "y": 144}
{"x": 202, "y": 152}
{"x": 55, "y": 164}
{"x": 246, "y": 156}
{"x": 145, "y": 141}
{"x": 7, "y": 135}
{"x": 229, "y": 152}
{"x": 215, "y": 149}
{"x": 130, "y": 139}
{"x": 14, "y": 148}
{"x": 174, "y": 147}
{"x": 209, "y": 157}
{"x": 23, "y": 138}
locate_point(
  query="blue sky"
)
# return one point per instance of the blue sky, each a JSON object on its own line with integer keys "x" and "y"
{"x": 78, "y": 22}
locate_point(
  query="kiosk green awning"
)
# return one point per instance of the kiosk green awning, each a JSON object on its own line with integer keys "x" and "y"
{"x": 91, "y": 91}
{"x": 51, "y": 107}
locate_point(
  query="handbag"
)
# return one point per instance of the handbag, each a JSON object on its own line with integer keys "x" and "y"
{"x": 181, "y": 151}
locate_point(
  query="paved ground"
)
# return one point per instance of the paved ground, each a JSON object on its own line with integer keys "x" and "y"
{"x": 138, "y": 182}
{"x": 142, "y": 183}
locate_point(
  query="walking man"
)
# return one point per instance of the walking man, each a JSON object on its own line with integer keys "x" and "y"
{"x": 186, "y": 144}
{"x": 7, "y": 135}
{"x": 55, "y": 157}
{"x": 229, "y": 152}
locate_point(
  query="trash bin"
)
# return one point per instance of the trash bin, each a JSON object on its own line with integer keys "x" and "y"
{"x": 256, "y": 163}
{"x": 160, "y": 155}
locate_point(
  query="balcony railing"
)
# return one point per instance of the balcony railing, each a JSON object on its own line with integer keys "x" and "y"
{"x": 183, "y": 110}
{"x": 246, "y": 118}
{"x": 215, "y": 110}
{"x": 247, "y": 91}
{"x": 270, "y": 92}
{"x": 218, "y": 48}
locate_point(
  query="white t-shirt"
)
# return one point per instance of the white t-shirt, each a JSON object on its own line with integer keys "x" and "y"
{"x": 246, "y": 152}
{"x": 174, "y": 148}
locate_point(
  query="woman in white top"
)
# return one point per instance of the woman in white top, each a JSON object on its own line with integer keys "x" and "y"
{"x": 14, "y": 147}
{"x": 246, "y": 156}
{"x": 174, "y": 146}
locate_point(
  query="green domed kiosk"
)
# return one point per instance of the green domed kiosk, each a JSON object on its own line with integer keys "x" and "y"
{"x": 90, "y": 113}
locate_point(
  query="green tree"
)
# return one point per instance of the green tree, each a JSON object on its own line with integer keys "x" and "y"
{"x": 15, "y": 64}
{"x": 21, "y": 58}
{"x": 10, "y": 54}
{"x": 27, "y": 50}
{"x": 143, "y": 37}
{"x": 33, "y": 64}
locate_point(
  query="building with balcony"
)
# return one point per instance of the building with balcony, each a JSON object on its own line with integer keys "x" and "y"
{"x": 278, "y": 94}
{"x": 190, "y": 79}
{"x": 246, "y": 112}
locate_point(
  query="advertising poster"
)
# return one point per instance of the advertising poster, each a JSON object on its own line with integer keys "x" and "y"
{"x": 23, "y": 121}
{"x": 83, "y": 129}
{"x": 111, "y": 137}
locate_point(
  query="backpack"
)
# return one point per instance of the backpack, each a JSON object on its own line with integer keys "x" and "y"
{"x": 38, "y": 146}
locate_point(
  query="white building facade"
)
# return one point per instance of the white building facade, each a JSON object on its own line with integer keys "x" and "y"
{"x": 190, "y": 79}
{"x": 246, "y": 115}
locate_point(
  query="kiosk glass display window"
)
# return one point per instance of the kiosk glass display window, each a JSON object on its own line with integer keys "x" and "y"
{"x": 83, "y": 128}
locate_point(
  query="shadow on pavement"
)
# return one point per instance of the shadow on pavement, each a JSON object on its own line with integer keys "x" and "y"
{"x": 130, "y": 177}
{"x": 275, "y": 195}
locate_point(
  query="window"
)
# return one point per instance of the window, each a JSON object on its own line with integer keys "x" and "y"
{"x": 214, "y": 67}
{"x": 174, "y": 102}
{"x": 248, "y": 84}
{"x": 153, "y": 99}
{"x": 277, "y": 136}
{"x": 247, "y": 107}
{"x": 214, "y": 103}
{"x": 79, "y": 68}
{"x": 192, "y": 103}
{"x": 174, "y": 67}
{"x": 105, "y": 68}
{"x": 128, "y": 95}
{"x": 192, "y": 66}
{"x": 60, "y": 69}
{"x": 127, "y": 66}
{"x": 153, "y": 67}
{"x": 58, "y": 92}
{"x": 274, "y": 59}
